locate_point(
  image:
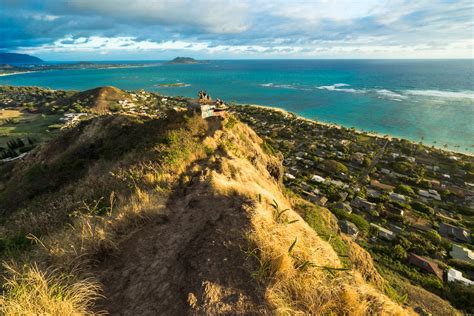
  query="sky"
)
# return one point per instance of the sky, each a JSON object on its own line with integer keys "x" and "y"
{"x": 246, "y": 29}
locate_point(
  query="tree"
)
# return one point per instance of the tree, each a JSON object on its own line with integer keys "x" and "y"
{"x": 334, "y": 167}
{"x": 399, "y": 252}
{"x": 366, "y": 162}
{"x": 405, "y": 189}
{"x": 433, "y": 236}
{"x": 421, "y": 207}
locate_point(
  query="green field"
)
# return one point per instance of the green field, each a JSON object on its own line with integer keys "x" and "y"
{"x": 24, "y": 125}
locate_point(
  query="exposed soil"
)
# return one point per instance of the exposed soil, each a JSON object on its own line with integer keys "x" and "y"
{"x": 189, "y": 260}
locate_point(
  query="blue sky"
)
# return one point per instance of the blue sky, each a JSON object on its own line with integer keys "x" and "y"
{"x": 213, "y": 29}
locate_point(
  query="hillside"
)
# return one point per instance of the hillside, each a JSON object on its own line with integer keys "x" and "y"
{"x": 176, "y": 215}
{"x": 6, "y": 58}
{"x": 99, "y": 100}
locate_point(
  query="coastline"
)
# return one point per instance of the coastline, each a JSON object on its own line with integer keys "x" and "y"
{"x": 356, "y": 130}
{"x": 16, "y": 73}
{"x": 105, "y": 67}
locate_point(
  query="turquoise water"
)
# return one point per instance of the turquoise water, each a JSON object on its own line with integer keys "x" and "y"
{"x": 421, "y": 100}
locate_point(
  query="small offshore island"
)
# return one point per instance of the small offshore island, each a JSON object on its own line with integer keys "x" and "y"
{"x": 184, "y": 60}
{"x": 411, "y": 206}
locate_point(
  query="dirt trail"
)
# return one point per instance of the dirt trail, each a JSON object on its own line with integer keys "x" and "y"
{"x": 188, "y": 260}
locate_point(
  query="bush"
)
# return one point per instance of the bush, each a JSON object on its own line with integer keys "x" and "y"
{"x": 333, "y": 167}
{"x": 461, "y": 265}
{"x": 421, "y": 207}
{"x": 366, "y": 162}
{"x": 460, "y": 295}
{"x": 402, "y": 167}
{"x": 405, "y": 190}
{"x": 358, "y": 220}
{"x": 399, "y": 252}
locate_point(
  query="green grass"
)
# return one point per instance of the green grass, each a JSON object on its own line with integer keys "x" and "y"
{"x": 34, "y": 126}
{"x": 364, "y": 138}
{"x": 316, "y": 220}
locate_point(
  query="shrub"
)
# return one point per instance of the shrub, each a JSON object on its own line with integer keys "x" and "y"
{"x": 421, "y": 207}
{"x": 461, "y": 265}
{"x": 405, "y": 189}
{"x": 399, "y": 252}
{"x": 402, "y": 167}
{"x": 460, "y": 295}
{"x": 358, "y": 220}
{"x": 333, "y": 167}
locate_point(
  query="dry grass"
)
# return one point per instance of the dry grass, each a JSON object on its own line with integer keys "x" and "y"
{"x": 8, "y": 114}
{"x": 303, "y": 272}
{"x": 134, "y": 190}
{"x": 30, "y": 291}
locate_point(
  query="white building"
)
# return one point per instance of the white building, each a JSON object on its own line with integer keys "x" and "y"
{"x": 398, "y": 197}
{"x": 317, "y": 179}
{"x": 432, "y": 194}
{"x": 462, "y": 253}
{"x": 383, "y": 232}
{"x": 456, "y": 276}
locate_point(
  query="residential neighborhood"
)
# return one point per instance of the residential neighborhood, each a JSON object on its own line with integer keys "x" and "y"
{"x": 413, "y": 205}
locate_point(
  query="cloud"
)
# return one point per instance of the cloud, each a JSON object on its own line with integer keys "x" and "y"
{"x": 258, "y": 28}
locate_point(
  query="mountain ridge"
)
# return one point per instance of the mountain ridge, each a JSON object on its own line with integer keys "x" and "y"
{"x": 6, "y": 58}
{"x": 204, "y": 187}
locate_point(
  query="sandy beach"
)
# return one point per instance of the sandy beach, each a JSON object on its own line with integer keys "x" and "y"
{"x": 357, "y": 131}
{"x": 15, "y": 73}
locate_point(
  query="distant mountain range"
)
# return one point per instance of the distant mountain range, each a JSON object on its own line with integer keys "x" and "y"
{"x": 18, "y": 58}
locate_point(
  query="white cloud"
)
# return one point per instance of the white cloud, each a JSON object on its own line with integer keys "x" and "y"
{"x": 45, "y": 17}
{"x": 257, "y": 28}
{"x": 367, "y": 47}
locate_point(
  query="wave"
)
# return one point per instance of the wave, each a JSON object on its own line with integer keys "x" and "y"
{"x": 391, "y": 95}
{"x": 442, "y": 94}
{"x": 338, "y": 87}
{"x": 398, "y": 96}
{"x": 283, "y": 86}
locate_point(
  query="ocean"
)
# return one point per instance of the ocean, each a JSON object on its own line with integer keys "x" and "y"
{"x": 431, "y": 101}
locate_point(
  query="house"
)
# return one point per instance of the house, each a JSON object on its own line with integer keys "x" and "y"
{"x": 348, "y": 228}
{"x": 317, "y": 199}
{"x": 317, "y": 178}
{"x": 456, "y": 233}
{"x": 454, "y": 275}
{"x": 425, "y": 264}
{"x": 343, "y": 206}
{"x": 381, "y": 186}
{"x": 398, "y": 197}
{"x": 374, "y": 194}
{"x": 461, "y": 253}
{"x": 365, "y": 205}
{"x": 290, "y": 176}
{"x": 431, "y": 194}
{"x": 383, "y": 232}
{"x": 396, "y": 229}
{"x": 395, "y": 210}
{"x": 342, "y": 195}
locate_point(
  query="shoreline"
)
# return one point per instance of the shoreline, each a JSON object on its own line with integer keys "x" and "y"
{"x": 16, "y": 73}
{"x": 79, "y": 68}
{"x": 356, "y": 130}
